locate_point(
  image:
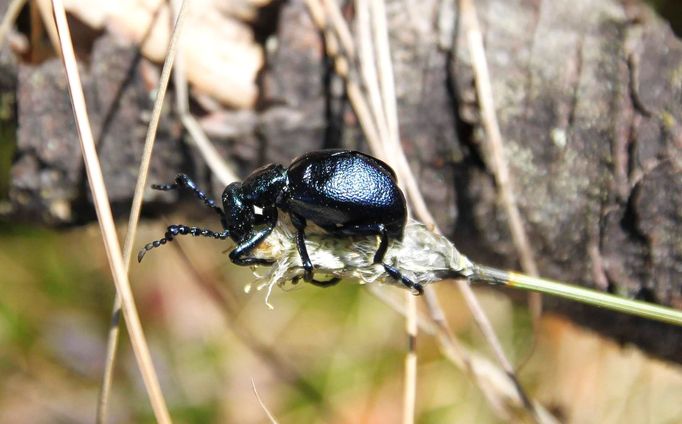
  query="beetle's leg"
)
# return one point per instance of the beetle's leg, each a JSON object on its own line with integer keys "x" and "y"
{"x": 299, "y": 224}
{"x": 393, "y": 272}
{"x": 182, "y": 180}
{"x": 179, "y": 229}
{"x": 397, "y": 275}
{"x": 251, "y": 242}
{"x": 245, "y": 247}
{"x": 328, "y": 283}
{"x": 331, "y": 282}
{"x": 383, "y": 244}
{"x": 370, "y": 230}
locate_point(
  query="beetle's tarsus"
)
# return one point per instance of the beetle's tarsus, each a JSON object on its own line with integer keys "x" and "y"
{"x": 308, "y": 277}
{"x": 164, "y": 187}
{"x": 394, "y": 273}
{"x": 328, "y": 283}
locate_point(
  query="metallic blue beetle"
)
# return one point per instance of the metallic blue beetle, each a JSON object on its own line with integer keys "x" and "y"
{"x": 347, "y": 193}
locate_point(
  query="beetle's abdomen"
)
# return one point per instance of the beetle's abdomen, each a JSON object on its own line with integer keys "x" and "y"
{"x": 339, "y": 190}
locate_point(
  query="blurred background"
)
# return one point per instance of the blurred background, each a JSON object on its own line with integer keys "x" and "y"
{"x": 262, "y": 87}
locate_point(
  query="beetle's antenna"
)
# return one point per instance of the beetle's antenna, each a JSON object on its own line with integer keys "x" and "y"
{"x": 183, "y": 181}
{"x": 179, "y": 229}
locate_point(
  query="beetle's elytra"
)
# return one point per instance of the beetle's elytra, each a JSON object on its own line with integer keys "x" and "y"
{"x": 347, "y": 193}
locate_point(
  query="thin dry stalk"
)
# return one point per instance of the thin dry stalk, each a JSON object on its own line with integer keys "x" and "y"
{"x": 494, "y": 383}
{"x": 496, "y": 155}
{"x": 105, "y": 218}
{"x": 363, "y": 111}
{"x": 339, "y": 23}
{"x": 10, "y": 17}
{"x": 387, "y": 83}
{"x": 495, "y": 146}
{"x": 382, "y": 100}
{"x": 109, "y": 362}
{"x": 211, "y": 156}
{"x": 341, "y": 66}
{"x": 45, "y": 10}
{"x": 179, "y": 74}
{"x": 207, "y": 150}
{"x": 368, "y": 68}
{"x": 136, "y": 207}
{"x": 114, "y": 328}
{"x": 410, "y": 388}
{"x": 262, "y": 405}
{"x": 385, "y": 66}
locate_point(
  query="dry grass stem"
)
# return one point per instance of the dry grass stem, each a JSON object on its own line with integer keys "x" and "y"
{"x": 377, "y": 69}
{"x": 390, "y": 106}
{"x": 363, "y": 111}
{"x": 341, "y": 66}
{"x": 368, "y": 69}
{"x": 211, "y": 156}
{"x": 495, "y": 146}
{"x": 10, "y": 17}
{"x": 179, "y": 70}
{"x": 105, "y": 218}
{"x": 208, "y": 151}
{"x": 385, "y": 66}
{"x": 133, "y": 219}
{"x": 46, "y": 13}
{"x": 262, "y": 405}
{"x": 494, "y": 383}
{"x": 109, "y": 361}
{"x": 410, "y": 387}
{"x": 334, "y": 14}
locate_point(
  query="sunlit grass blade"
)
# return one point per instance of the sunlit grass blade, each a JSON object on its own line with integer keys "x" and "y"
{"x": 578, "y": 294}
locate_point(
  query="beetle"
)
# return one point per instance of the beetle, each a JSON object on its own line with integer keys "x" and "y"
{"x": 345, "y": 192}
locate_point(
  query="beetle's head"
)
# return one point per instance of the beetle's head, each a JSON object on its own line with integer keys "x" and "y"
{"x": 260, "y": 189}
{"x": 239, "y": 216}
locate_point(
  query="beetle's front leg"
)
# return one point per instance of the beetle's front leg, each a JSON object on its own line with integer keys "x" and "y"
{"x": 179, "y": 229}
{"x": 183, "y": 181}
{"x": 393, "y": 272}
{"x": 252, "y": 241}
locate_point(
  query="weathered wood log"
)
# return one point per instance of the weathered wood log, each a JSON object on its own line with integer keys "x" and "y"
{"x": 588, "y": 98}
{"x": 48, "y": 180}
